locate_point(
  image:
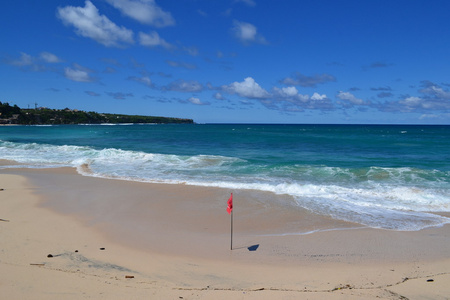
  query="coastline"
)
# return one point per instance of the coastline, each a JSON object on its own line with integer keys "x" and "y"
{"x": 174, "y": 240}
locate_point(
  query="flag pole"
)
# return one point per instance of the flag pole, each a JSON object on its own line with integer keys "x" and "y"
{"x": 231, "y": 247}
{"x": 230, "y": 211}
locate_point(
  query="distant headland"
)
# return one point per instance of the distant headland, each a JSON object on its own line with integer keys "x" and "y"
{"x": 14, "y": 115}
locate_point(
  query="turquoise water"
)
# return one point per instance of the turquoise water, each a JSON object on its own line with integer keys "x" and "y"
{"x": 379, "y": 176}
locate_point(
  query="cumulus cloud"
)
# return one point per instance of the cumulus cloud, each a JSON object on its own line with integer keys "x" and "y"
{"x": 196, "y": 101}
{"x": 419, "y": 104}
{"x": 247, "y": 88}
{"x": 187, "y": 86}
{"x": 433, "y": 90}
{"x": 89, "y": 23}
{"x": 308, "y": 81}
{"x": 144, "y": 11}
{"x": 153, "y": 39}
{"x": 78, "y": 73}
{"x": 289, "y": 99}
{"x": 350, "y": 98}
{"x": 247, "y": 33}
{"x": 288, "y": 93}
{"x": 432, "y": 99}
{"x": 318, "y": 97}
{"x": 286, "y": 99}
{"x": 411, "y": 101}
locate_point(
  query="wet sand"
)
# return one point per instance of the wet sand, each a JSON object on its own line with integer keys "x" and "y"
{"x": 174, "y": 240}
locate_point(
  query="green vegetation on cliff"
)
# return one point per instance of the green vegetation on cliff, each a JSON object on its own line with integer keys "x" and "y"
{"x": 45, "y": 116}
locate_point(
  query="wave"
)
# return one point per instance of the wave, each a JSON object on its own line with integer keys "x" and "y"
{"x": 390, "y": 198}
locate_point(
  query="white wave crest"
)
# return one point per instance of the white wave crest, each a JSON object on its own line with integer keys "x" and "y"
{"x": 391, "y": 198}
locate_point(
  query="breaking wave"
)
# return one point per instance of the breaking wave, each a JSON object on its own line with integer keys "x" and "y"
{"x": 390, "y": 198}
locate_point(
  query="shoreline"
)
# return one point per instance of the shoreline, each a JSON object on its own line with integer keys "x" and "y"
{"x": 175, "y": 239}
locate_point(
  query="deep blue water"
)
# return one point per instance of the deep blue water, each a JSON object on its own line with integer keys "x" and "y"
{"x": 385, "y": 176}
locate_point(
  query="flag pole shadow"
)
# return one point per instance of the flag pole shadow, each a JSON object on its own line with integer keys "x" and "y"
{"x": 230, "y": 211}
{"x": 249, "y": 248}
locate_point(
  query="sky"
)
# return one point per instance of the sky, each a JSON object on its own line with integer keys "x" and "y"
{"x": 231, "y": 61}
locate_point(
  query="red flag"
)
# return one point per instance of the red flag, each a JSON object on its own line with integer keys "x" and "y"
{"x": 230, "y": 204}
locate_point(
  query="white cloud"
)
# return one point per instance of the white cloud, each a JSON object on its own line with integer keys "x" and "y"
{"x": 350, "y": 97}
{"x": 289, "y": 93}
{"x": 188, "y": 86}
{"x": 247, "y": 33}
{"x": 317, "y": 96}
{"x": 144, "y": 11}
{"x": 433, "y": 98}
{"x": 50, "y": 57}
{"x": 89, "y": 23}
{"x": 247, "y": 88}
{"x": 152, "y": 40}
{"x": 427, "y": 104}
{"x": 27, "y": 62}
{"x": 411, "y": 101}
{"x": 218, "y": 96}
{"x": 436, "y": 91}
{"x": 78, "y": 73}
{"x": 196, "y": 101}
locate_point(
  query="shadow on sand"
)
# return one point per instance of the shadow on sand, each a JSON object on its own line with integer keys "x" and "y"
{"x": 250, "y": 248}
{"x": 253, "y": 248}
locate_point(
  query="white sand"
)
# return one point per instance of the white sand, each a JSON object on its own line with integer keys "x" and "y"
{"x": 174, "y": 240}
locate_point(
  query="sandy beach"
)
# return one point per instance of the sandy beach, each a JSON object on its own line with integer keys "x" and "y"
{"x": 67, "y": 236}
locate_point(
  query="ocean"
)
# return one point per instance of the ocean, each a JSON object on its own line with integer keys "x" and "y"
{"x": 382, "y": 176}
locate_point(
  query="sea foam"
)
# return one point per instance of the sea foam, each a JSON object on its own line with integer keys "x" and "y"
{"x": 399, "y": 198}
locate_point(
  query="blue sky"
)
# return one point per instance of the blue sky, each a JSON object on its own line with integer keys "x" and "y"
{"x": 228, "y": 61}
